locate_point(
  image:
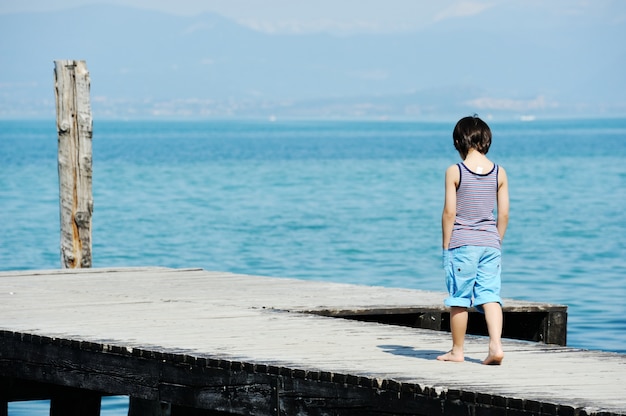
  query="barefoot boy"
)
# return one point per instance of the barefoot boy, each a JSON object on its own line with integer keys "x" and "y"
{"x": 472, "y": 236}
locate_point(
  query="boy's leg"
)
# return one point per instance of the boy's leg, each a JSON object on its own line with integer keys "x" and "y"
{"x": 493, "y": 316}
{"x": 458, "y": 327}
{"x": 487, "y": 299}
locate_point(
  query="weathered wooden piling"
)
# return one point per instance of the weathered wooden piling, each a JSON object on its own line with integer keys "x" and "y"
{"x": 75, "y": 128}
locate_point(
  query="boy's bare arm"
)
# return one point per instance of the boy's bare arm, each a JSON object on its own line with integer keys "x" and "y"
{"x": 503, "y": 202}
{"x": 449, "y": 206}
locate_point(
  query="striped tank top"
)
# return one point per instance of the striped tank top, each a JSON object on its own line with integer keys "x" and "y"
{"x": 476, "y": 199}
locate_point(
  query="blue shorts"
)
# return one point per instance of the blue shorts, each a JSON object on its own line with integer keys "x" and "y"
{"x": 472, "y": 276}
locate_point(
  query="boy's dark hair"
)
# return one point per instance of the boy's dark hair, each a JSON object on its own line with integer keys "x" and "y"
{"x": 471, "y": 133}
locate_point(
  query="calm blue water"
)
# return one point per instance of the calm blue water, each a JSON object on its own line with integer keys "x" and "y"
{"x": 356, "y": 202}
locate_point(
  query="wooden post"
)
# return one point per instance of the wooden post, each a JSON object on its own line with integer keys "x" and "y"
{"x": 75, "y": 402}
{"x": 144, "y": 407}
{"x": 74, "y": 125}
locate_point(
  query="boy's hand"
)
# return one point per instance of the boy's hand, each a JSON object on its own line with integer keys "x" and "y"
{"x": 445, "y": 258}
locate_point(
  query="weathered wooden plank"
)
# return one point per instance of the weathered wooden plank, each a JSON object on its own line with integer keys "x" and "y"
{"x": 195, "y": 332}
{"x": 62, "y": 362}
{"x": 14, "y": 389}
{"x": 244, "y": 388}
{"x": 294, "y": 295}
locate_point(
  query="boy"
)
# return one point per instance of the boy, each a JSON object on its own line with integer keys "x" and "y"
{"x": 472, "y": 237}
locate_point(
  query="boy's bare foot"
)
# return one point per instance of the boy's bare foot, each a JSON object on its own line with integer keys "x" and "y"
{"x": 494, "y": 358}
{"x": 451, "y": 356}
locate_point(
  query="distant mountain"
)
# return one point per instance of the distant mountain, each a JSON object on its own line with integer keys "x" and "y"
{"x": 149, "y": 64}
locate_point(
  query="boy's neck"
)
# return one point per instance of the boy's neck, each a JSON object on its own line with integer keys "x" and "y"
{"x": 477, "y": 162}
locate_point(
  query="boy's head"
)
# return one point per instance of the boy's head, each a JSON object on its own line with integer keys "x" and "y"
{"x": 471, "y": 133}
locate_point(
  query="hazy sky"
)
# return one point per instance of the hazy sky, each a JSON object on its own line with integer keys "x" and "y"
{"x": 345, "y": 15}
{"x": 528, "y": 55}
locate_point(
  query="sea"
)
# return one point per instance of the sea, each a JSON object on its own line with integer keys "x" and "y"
{"x": 338, "y": 201}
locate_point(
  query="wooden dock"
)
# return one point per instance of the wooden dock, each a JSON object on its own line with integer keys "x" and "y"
{"x": 194, "y": 342}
